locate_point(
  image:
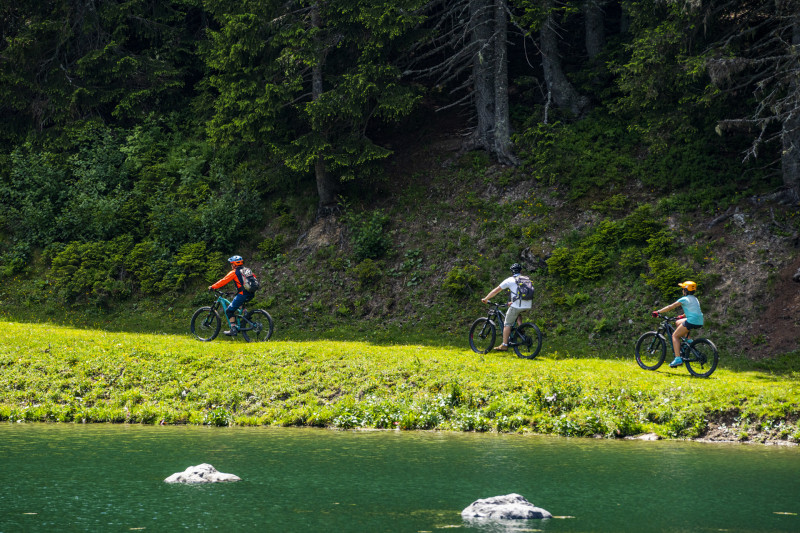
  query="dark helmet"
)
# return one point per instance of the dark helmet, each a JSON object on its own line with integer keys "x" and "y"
{"x": 236, "y": 260}
{"x": 516, "y": 268}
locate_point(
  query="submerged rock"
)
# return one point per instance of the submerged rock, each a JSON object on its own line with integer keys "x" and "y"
{"x": 507, "y": 507}
{"x": 204, "y": 473}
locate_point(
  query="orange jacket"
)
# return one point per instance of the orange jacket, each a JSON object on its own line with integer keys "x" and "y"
{"x": 230, "y": 276}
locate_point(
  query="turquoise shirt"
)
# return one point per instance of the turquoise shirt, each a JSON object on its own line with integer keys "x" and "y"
{"x": 691, "y": 308}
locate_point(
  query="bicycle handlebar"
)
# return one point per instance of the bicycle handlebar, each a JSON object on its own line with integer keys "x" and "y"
{"x": 666, "y": 318}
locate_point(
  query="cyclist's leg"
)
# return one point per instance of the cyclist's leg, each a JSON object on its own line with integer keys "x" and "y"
{"x": 511, "y": 317}
{"x": 236, "y": 303}
{"x": 680, "y": 331}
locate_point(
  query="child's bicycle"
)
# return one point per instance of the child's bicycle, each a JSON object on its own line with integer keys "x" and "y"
{"x": 253, "y": 325}
{"x": 526, "y": 339}
{"x": 699, "y": 355}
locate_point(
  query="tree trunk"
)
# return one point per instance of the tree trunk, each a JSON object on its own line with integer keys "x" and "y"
{"x": 564, "y": 94}
{"x": 480, "y": 15}
{"x": 327, "y": 187}
{"x": 501, "y": 145}
{"x": 594, "y": 26}
{"x": 790, "y": 130}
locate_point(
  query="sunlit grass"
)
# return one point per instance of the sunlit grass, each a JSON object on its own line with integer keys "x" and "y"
{"x": 62, "y": 373}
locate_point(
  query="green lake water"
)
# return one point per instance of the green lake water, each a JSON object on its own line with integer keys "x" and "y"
{"x": 65, "y": 477}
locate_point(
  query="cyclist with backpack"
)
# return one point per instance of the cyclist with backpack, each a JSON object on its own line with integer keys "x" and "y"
{"x": 521, "y": 300}
{"x": 244, "y": 279}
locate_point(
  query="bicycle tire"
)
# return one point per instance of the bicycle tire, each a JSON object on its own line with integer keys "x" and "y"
{"x": 482, "y": 335}
{"x": 207, "y": 327}
{"x": 528, "y": 340}
{"x": 263, "y": 324}
{"x": 705, "y": 350}
{"x": 651, "y": 350}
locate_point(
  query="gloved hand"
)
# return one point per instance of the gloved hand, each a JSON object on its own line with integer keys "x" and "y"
{"x": 681, "y": 316}
{"x": 654, "y": 313}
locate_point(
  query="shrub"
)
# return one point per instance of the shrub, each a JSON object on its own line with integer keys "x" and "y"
{"x": 271, "y": 247}
{"x": 460, "y": 281}
{"x": 640, "y": 225}
{"x": 660, "y": 245}
{"x": 665, "y": 274}
{"x": 631, "y": 259}
{"x": 367, "y": 272}
{"x": 560, "y": 263}
{"x": 590, "y": 264}
{"x": 369, "y": 237}
{"x": 93, "y": 272}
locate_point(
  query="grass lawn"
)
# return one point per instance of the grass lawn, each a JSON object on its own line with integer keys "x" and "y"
{"x": 59, "y": 373}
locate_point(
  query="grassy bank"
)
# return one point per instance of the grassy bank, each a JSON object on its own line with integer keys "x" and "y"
{"x": 59, "y": 373}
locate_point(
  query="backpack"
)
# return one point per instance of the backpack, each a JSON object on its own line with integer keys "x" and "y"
{"x": 249, "y": 281}
{"x": 524, "y": 288}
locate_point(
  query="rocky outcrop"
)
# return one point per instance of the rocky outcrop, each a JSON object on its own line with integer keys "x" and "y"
{"x": 204, "y": 473}
{"x": 507, "y": 507}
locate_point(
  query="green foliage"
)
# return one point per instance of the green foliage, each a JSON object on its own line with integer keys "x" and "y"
{"x": 588, "y": 155}
{"x": 461, "y": 281}
{"x": 367, "y": 273}
{"x": 665, "y": 274}
{"x": 368, "y": 234}
{"x": 589, "y": 263}
{"x": 271, "y": 247}
{"x": 559, "y": 263}
{"x": 660, "y": 245}
{"x": 101, "y": 272}
{"x": 93, "y": 272}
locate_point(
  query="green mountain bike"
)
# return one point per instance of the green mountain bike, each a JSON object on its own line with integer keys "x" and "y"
{"x": 254, "y": 325}
{"x": 699, "y": 355}
{"x": 526, "y": 339}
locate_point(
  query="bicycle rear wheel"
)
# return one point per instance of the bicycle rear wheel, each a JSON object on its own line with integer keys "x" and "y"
{"x": 482, "y": 335}
{"x": 205, "y": 324}
{"x": 262, "y": 326}
{"x": 651, "y": 350}
{"x": 704, "y": 358}
{"x": 527, "y": 340}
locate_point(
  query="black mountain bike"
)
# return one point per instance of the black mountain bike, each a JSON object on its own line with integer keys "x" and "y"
{"x": 526, "y": 339}
{"x": 699, "y": 355}
{"x": 254, "y": 325}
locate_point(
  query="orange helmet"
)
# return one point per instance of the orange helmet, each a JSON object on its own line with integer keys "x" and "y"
{"x": 690, "y": 286}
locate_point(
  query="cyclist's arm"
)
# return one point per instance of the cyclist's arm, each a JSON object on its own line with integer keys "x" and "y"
{"x": 494, "y": 292}
{"x": 668, "y": 308}
{"x": 224, "y": 281}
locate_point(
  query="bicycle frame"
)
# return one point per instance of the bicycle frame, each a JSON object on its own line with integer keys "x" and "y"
{"x": 666, "y": 330}
{"x": 497, "y": 312}
{"x": 225, "y": 303}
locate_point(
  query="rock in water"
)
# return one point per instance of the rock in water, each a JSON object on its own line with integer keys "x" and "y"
{"x": 508, "y": 507}
{"x": 204, "y": 473}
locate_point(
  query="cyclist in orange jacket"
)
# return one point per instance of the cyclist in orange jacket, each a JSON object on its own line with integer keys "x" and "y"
{"x": 240, "y": 299}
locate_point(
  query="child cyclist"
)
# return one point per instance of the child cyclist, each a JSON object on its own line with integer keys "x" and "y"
{"x": 241, "y": 298}
{"x": 691, "y": 319}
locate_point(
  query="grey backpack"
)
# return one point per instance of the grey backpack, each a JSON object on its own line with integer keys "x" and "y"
{"x": 524, "y": 288}
{"x": 249, "y": 281}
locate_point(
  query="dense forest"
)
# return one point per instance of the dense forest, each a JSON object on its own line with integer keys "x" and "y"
{"x": 144, "y": 141}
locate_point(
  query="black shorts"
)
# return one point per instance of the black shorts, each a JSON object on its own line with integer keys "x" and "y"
{"x": 689, "y": 326}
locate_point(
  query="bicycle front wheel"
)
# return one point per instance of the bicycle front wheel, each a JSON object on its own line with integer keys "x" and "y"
{"x": 527, "y": 340}
{"x": 262, "y": 326}
{"x": 704, "y": 358}
{"x": 205, "y": 324}
{"x": 482, "y": 335}
{"x": 651, "y": 350}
